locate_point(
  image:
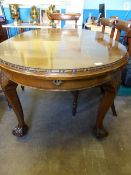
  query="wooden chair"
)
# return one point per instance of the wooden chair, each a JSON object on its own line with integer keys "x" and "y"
{"x": 64, "y": 17}
{"x": 105, "y": 22}
{"x": 110, "y": 23}
{"x": 22, "y": 87}
{"x": 3, "y": 34}
{"x": 124, "y": 26}
{"x": 129, "y": 42}
{"x": 114, "y": 17}
{"x": 126, "y": 40}
{"x": 1, "y": 89}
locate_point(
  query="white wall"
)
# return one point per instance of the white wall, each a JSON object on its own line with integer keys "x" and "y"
{"x": 88, "y": 4}
{"x": 70, "y": 5}
{"x": 110, "y": 4}
{"x": 74, "y": 6}
{"x": 29, "y": 3}
{"x": 32, "y": 2}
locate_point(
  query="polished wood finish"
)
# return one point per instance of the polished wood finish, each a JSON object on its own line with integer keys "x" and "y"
{"x": 40, "y": 51}
{"x": 62, "y": 60}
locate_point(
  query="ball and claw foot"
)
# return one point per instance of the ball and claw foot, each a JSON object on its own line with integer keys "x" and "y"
{"x": 20, "y": 131}
{"x": 100, "y": 133}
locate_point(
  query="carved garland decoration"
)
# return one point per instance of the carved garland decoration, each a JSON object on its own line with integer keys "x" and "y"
{"x": 39, "y": 70}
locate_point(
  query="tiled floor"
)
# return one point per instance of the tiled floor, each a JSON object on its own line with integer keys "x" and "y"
{"x": 60, "y": 144}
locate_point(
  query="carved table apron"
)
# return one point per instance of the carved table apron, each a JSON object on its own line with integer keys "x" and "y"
{"x": 61, "y": 60}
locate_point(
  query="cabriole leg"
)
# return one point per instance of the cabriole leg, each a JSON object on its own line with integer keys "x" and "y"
{"x": 110, "y": 90}
{"x": 9, "y": 89}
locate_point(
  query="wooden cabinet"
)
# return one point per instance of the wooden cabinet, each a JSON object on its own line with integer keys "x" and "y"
{"x": 3, "y": 33}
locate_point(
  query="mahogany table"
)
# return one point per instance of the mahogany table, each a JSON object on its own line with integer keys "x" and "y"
{"x": 61, "y": 60}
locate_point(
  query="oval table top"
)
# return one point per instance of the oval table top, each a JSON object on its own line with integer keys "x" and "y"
{"x": 62, "y": 60}
{"x": 58, "y": 51}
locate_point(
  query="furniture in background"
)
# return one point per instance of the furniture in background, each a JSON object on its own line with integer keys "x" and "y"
{"x": 34, "y": 15}
{"x": 23, "y": 27}
{"x": 3, "y": 33}
{"x": 84, "y": 64}
{"x": 20, "y": 27}
{"x": 94, "y": 27}
{"x": 110, "y": 23}
{"x": 69, "y": 16}
{"x": 107, "y": 26}
{"x": 14, "y": 12}
{"x": 114, "y": 17}
{"x": 124, "y": 26}
{"x": 111, "y": 27}
{"x": 106, "y": 22}
{"x": 3, "y": 37}
{"x": 117, "y": 26}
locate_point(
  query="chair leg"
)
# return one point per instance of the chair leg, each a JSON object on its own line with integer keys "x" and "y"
{"x": 9, "y": 105}
{"x": 75, "y": 99}
{"x": 23, "y": 88}
{"x": 113, "y": 109}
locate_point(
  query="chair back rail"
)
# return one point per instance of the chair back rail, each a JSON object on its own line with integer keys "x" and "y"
{"x": 107, "y": 22}
{"x": 124, "y": 26}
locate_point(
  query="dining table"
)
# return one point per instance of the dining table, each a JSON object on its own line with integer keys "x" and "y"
{"x": 62, "y": 60}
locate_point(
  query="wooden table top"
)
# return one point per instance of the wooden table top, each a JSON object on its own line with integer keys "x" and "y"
{"x": 60, "y": 50}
